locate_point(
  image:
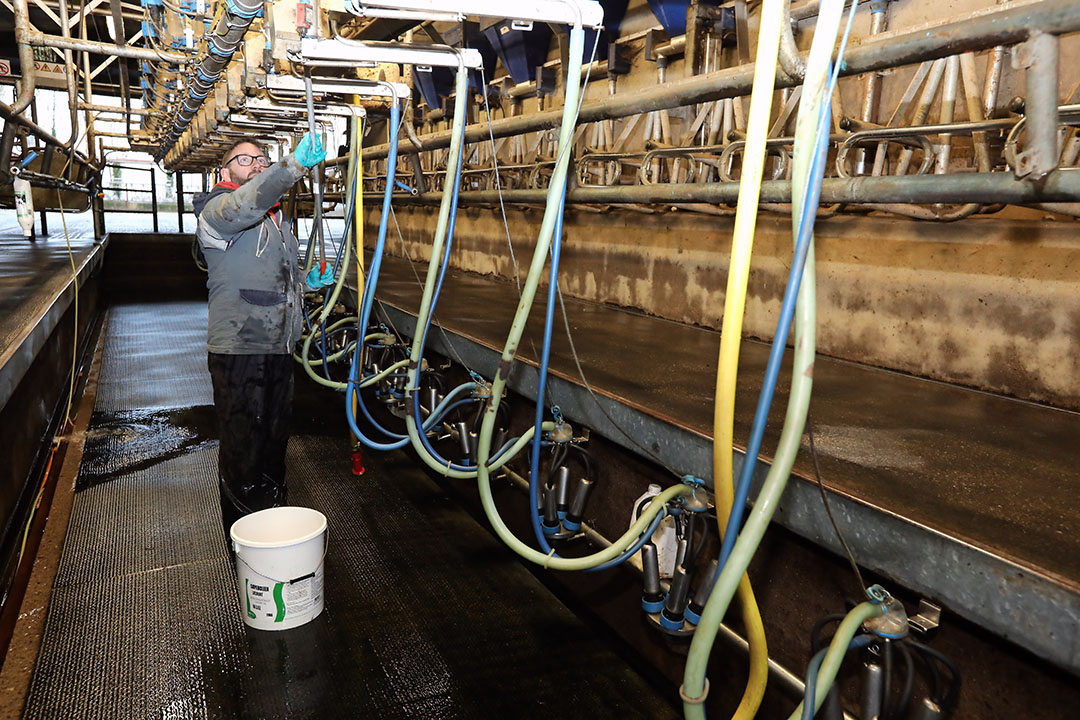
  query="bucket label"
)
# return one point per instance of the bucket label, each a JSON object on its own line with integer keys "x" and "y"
{"x": 280, "y": 600}
{"x": 260, "y": 600}
{"x": 300, "y": 596}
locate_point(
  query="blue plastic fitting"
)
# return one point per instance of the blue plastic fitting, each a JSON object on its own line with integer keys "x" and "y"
{"x": 652, "y": 606}
{"x": 669, "y": 623}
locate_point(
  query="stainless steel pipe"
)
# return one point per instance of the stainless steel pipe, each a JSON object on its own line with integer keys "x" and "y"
{"x": 1058, "y": 186}
{"x": 40, "y": 39}
{"x": 23, "y": 31}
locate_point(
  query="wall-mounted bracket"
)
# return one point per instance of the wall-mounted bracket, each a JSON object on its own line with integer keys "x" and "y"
{"x": 1038, "y": 57}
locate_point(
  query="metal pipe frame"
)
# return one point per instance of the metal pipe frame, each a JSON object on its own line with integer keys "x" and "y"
{"x": 23, "y": 31}
{"x": 110, "y": 109}
{"x": 40, "y": 39}
{"x": 345, "y": 86}
{"x": 1058, "y": 186}
{"x": 70, "y": 81}
{"x": 39, "y": 132}
{"x": 1004, "y": 25}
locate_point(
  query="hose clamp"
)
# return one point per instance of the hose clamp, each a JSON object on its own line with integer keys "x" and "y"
{"x": 694, "y": 701}
{"x": 892, "y": 624}
{"x": 698, "y": 500}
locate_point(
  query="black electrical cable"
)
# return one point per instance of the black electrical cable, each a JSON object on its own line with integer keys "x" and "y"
{"x": 557, "y": 458}
{"x": 908, "y": 687}
{"x": 693, "y": 549}
{"x": 815, "y": 631}
{"x": 828, "y": 510}
{"x": 932, "y": 668}
{"x": 948, "y": 703}
{"x": 478, "y": 417}
{"x": 886, "y": 678}
{"x": 645, "y": 501}
{"x": 586, "y": 460}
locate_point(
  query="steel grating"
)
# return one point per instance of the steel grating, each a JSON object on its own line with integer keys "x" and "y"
{"x": 159, "y": 517}
{"x": 427, "y": 615}
{"x": 155, "y": 358}
{"x": 140, "y": 645}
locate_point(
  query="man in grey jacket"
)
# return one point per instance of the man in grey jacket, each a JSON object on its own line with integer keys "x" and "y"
{"x": 256, "y": 289}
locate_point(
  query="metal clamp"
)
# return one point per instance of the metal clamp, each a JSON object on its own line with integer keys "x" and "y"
{"x": 1038, "y": 57}
{"x": 927, "y": 619}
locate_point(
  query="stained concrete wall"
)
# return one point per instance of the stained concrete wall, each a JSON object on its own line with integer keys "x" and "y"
{"x": 990, "y": 303}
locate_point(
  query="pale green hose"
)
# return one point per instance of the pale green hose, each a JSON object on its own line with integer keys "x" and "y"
{"x": 556, "y": 189}
{"x": 838, "y": 648}
{"x": 828, "y": 25}
{"x": 457, "y": 132}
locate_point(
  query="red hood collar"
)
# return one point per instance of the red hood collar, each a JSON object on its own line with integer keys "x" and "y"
{"x": 228, "y": 185}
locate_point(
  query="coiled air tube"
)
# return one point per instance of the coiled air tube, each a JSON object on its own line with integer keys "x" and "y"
{"x": 222, "y": 43}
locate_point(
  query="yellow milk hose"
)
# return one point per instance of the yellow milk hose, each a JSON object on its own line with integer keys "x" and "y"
{"x": 358, "y": 230}
{"x": 757, "y": 128}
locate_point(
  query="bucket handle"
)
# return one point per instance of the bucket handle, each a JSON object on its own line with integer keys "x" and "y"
{"x": 322, "y": 561}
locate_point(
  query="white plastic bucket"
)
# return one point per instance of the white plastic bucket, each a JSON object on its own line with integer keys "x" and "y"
{"x": 279, "y": 566}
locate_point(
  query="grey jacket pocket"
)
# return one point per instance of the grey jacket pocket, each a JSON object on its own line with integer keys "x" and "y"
{"x": 262, "y": 298}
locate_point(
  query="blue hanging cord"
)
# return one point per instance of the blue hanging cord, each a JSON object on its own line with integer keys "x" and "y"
{"x": 369, "y": 293}
{"x": 809, "y": 693}
{"x": 541, "y": 381}
{"x": 787, "y": 310}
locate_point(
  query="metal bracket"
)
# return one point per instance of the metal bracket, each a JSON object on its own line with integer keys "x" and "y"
{"x": 653, "y": 39}
{"x": 619, "y": 60}
{"x": 1038, "y": 57}
{"x": 928, "y": 618}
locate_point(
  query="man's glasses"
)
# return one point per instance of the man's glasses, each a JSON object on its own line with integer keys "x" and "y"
{"x": 248, "y": 160}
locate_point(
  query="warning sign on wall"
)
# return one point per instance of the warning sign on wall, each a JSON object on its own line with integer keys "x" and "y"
{"x": 51, "y": 71}
{"x": 5, "y": 69}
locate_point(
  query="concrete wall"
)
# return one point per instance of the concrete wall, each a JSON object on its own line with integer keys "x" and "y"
{"x": 989, "y": 303}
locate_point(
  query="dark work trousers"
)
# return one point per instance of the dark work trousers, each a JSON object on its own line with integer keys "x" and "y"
{"x": 253, "y": 396}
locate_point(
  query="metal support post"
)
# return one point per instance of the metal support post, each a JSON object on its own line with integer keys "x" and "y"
{"x": 179, "y": 201}
{"x": 1039, "y": 59}
{"x": 153, "y": 197}
{"x": 97, "y": 203}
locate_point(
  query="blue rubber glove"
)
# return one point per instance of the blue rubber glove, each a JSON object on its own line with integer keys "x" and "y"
{"x": 317, "y": 279}
{"x": 309, "y": 151}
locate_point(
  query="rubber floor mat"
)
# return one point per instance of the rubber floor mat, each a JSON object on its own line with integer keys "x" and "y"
{"x": 154, "y": 358}
{"x": 427, "y": 615}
